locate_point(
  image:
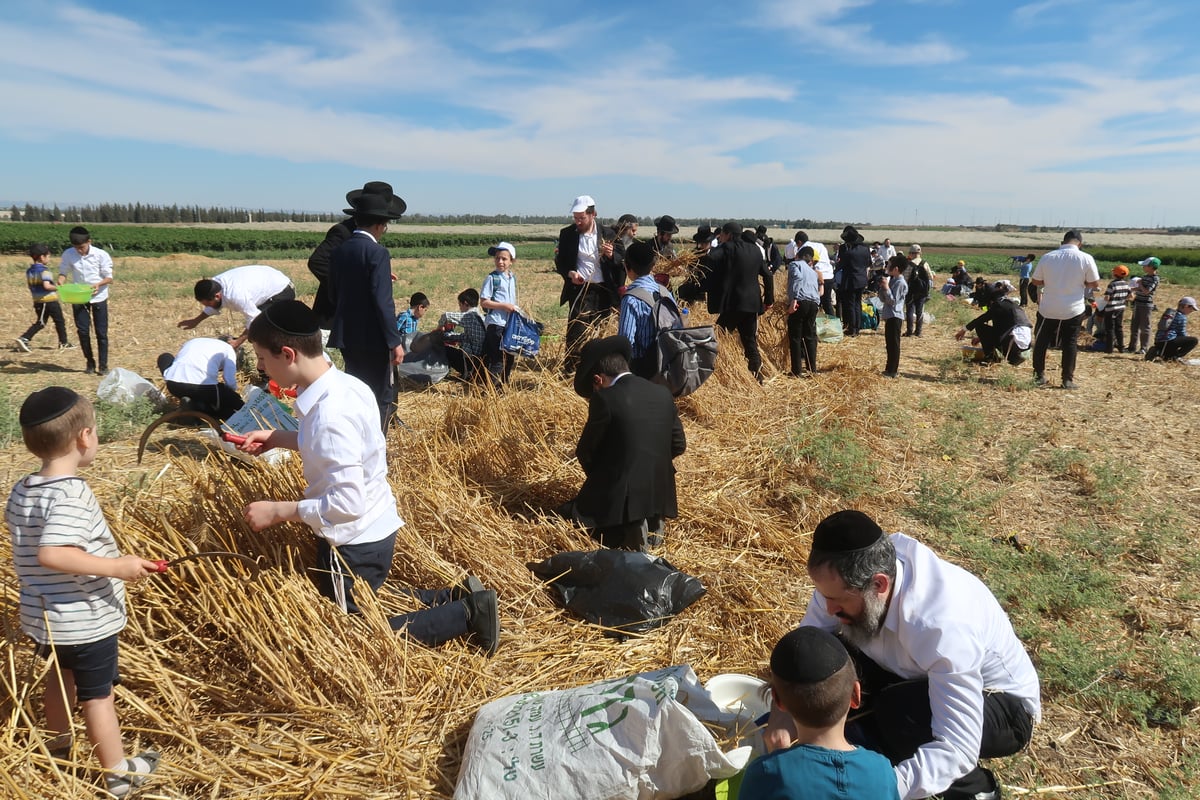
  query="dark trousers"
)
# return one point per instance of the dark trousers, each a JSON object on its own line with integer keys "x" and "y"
{"x": 827, "y": 297}
{"x": 1139, "y": 327}
{"x": 1178, "y": 347}
{"x": 593, "y": 305}
{"x": 895, "y": 719}
{"x": 43, "y": 310}
{"x": 472, "y": 368}
{"x": 374, "y": 368}
{"x": 850, "y": 307}
{"x": 287, "y": 294}
{"x": 891, "y": 337}
{"x": 1114, "y": 328}
{"x": 85, "y": 315}
{"x": 1028, "y": 292}
{"x": 1063, "y": 331}
{"x": 802, "y": 337}
{"x": 499, "y": 363}
{"x": 914, "y": 314}
{"x": 444, "y": 618}
{"x": 215, "y": 399}
{"x": 746, "y": 325}
{"x": 994, "y": 347}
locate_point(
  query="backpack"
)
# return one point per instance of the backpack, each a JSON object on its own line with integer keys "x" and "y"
{"x": 686, "y": 356}
{"x": 920, "y": 284}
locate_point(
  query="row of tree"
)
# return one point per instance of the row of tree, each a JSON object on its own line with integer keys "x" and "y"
{"x": 143, "y": 213}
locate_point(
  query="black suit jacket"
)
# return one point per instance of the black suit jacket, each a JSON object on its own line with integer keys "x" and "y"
{"x": 732, "y": 274}
{"x": 632, "y": 433}
{"x": 855, "y": 263}
{"x": 360, "y": 285}
{"x": 318, "y": 265}
{"x": 567, "y": 257}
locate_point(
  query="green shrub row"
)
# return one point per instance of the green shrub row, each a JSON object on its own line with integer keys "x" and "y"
{"x": 135, "y": 240}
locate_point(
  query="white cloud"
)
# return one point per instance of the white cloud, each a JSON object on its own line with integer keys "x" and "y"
{"x": 823, "y": 25}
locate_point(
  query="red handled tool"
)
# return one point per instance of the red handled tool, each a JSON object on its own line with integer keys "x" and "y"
{"x": 233, "y": 438}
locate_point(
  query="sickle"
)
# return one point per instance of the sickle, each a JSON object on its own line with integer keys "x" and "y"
{"x": 170, "y": 415}
{"x": 254, "y": 566}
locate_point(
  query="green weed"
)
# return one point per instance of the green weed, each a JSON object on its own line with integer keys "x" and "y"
{"x": 836, "y": 454}
{"x": 123, "y": 420}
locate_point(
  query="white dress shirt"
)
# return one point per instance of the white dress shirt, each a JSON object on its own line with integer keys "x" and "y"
{"x": 243, "y": 288}
{"x": 1065, "y": 272}
{"x": 944, "y": 624}
{"x": 91, "y": 269}
{"x": 587, "y": 262}
{"x": 201, "y": 360}
{"x": 348, "y": 499}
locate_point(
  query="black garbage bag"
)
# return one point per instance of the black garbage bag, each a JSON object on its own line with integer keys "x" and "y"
{"x": 625, "y": 591}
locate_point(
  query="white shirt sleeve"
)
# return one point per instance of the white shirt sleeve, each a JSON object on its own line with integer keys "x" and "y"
{"x": 337, "y": 454}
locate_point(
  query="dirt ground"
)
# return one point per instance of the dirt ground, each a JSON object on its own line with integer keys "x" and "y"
{"x": 746, "y": 509}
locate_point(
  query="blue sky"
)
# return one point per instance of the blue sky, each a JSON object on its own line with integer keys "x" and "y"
{"x": 1055, "y": 112}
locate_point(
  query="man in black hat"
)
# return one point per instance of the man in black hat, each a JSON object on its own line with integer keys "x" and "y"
{"x": 945, "y": 679}
{"x": 318, "y": 262}
{"x": 632, "y": 434}
{"x": 664, "y": 228}
{"x": 854, "y": 261}
{"x": 360, "y": 287}
{"x": 732, "y": 274}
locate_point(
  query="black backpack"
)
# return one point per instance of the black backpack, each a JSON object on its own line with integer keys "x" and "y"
{"x": 920, "y": 283}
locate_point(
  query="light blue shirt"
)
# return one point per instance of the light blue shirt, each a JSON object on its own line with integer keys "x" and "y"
{"x": 893, "y": 298}
{"x": 803, "y": 282}
{"x": 636, "y": 319}
{"x": 499, "y": 287}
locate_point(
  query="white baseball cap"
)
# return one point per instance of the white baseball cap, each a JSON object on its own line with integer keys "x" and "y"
{"x": 1188, "y": 301}
{"x": 582, "y": 203}
{"x": 512, "y": 251}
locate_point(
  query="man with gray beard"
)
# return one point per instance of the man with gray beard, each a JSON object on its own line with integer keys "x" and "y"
{"x": 945, "y": 680}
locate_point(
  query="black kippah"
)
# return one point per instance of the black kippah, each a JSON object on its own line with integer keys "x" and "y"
{"x": 808, "y": 655}
{"x": 845, "y": 532}
{"x": 293, "y": 318}
{"x": 46, "y": 404}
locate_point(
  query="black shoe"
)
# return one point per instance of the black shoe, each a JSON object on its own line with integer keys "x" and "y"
{"x": 890, "y": 374}
{"x": 1039, "y": 379}
{"x": 483, "y": 620}
{"x": 90, "y": 370}
{"x": 467, "y": 587}
{"x": 1069, "y": 385}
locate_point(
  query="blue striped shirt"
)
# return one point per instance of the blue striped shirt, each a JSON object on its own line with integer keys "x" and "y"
{"x": 635, "y": 320}
{"x": 57, "y": 607}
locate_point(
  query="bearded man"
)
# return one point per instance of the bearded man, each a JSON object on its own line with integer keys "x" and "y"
{"x": 945, "y": 679}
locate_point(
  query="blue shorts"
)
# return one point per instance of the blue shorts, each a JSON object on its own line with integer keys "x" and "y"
{"x": 94, "y": 666}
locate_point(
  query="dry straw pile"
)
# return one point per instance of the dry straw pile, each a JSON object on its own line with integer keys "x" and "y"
{"x": 263, "y": 689}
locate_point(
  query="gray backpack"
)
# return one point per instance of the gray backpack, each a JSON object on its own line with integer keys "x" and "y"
{"x": 686, "y": 356}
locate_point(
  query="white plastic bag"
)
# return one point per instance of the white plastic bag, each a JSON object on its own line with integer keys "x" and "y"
{"x": 123, "y": 386}
{"x": 633, "y": 738}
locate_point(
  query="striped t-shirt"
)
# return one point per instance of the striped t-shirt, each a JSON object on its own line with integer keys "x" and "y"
{"x": 1117, "y": 292}
{"x": 57, "y": 607}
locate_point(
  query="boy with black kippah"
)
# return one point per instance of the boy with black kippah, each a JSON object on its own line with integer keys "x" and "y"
{"x": 348, "y": 502}
{"x": 814, "y": 682}
{"x": 72, "y": 582}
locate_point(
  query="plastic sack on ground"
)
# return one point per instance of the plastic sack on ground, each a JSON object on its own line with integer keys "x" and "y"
{"x": 124, "y": 386}
{"x": 637, "y": 737}
{"x": 829, "y": 329}
{"x": 625, "y": 591}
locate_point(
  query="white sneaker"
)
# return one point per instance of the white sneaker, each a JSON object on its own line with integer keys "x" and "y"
{"x": 23, "y": 344}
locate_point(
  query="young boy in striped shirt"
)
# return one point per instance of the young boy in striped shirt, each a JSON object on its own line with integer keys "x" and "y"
{"x": 72, "y": 582}
{"x": 1116, "y": 295}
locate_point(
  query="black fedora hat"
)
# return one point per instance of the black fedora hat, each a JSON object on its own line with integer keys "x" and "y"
{"x": 589, "y": 359}
{"x": 394, "y": 209}
{"x": 704, "y": 233}
{"x": 666, "y": 224}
